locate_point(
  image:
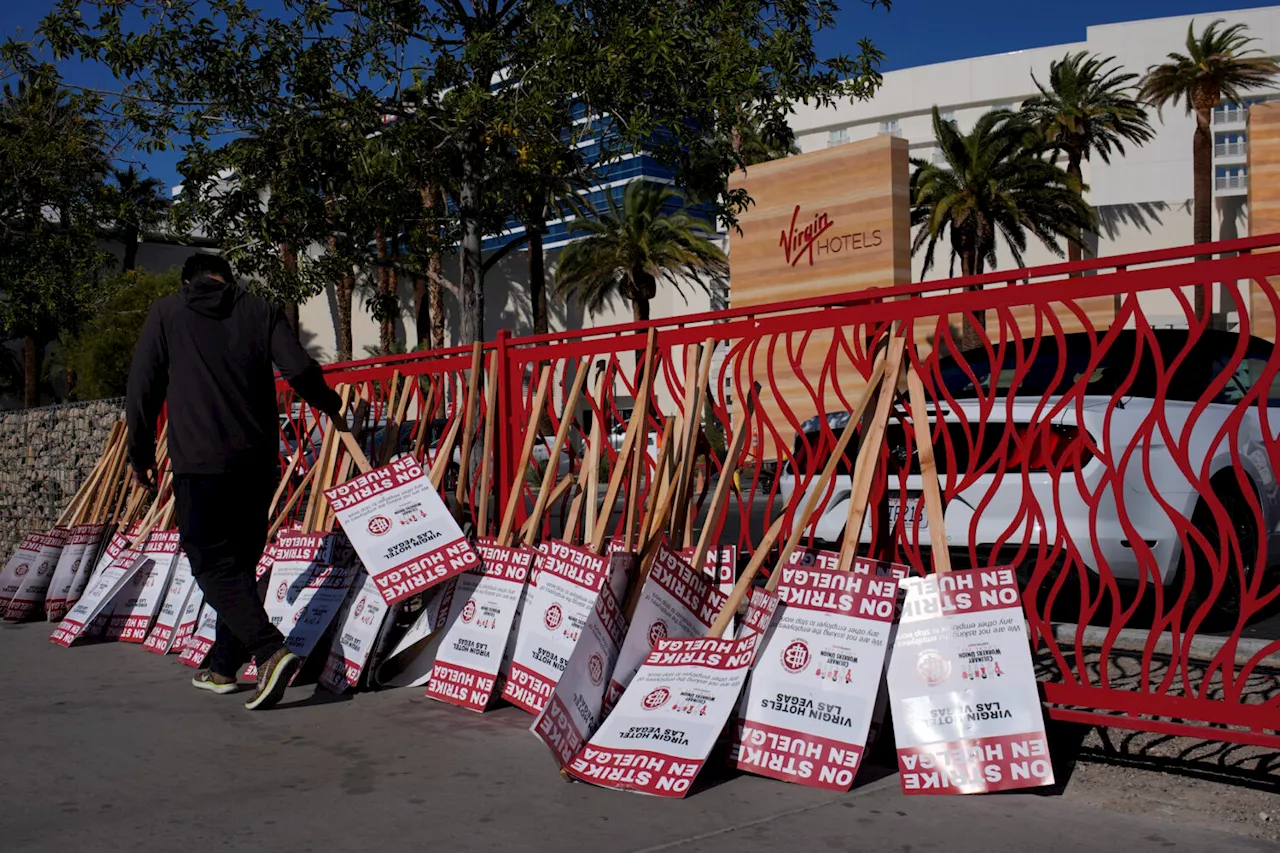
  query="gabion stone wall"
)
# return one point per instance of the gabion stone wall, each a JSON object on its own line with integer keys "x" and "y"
{"x": 45, "y": 454}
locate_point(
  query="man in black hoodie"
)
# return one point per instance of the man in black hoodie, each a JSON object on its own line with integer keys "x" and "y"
{"x": 208, "y": 350}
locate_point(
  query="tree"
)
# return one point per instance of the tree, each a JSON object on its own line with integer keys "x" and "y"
{"x": 993, "y": 180}
{"x": 1218, "y": 64}
{"x": 134, "y": 204}
{"x": 52, "y": 159}
{"x": 475, "y": 72}
{"x": 653, "y": 236}
{"x": 1087, "y": 108}
{"x": 100, "y": 353}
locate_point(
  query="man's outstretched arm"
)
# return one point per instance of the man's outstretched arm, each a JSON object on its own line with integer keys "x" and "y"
{"x": 148, "y": 386}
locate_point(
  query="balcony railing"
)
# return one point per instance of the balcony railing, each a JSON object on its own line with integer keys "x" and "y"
{"x": 1230, "y": 115}
{"x": 1231, "y": 182}
{"x": 1231, "y": 149}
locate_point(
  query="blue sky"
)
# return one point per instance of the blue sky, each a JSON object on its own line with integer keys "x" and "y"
{"x": 915, "y": 32}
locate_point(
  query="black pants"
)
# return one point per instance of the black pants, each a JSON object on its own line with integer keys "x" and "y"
{"x": 222, "y": 519}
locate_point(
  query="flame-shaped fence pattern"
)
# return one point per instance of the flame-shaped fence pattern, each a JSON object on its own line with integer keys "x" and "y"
{"x": 1090, "y": 430}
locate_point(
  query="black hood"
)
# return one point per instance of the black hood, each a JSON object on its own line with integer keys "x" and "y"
{"x": 210, "y": 297}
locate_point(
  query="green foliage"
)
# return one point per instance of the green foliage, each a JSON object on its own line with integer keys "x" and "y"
{"x": 100, "y": 354}
{"x": 1088, "y": 107}
{"x": 1218, "y": 64}
{"x": 134, "y": 204}
{"x": 993, "y": 180}
{"x": 653, "y": 236}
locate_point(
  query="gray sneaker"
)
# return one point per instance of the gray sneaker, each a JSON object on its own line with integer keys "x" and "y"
{"x": 214, "y": 683}
{"x": 273, "y": 677}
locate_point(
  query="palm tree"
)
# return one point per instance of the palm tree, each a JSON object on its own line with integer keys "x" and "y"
{"x": 993, "y": 181}
{"x": 1218, "y": 64}
{"x": 1087, "y": 108}
{"x": 136, "y": 204}
{"x": 626, "y": 251}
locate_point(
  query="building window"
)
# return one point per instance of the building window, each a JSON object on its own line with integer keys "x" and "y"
{"x": 889, "y": 127}
{"x": 1230, "y": 145}
{"x": 1231, "y": 178}
{"x": 837, "y": 137}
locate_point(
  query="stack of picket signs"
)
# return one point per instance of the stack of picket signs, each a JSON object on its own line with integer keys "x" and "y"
{"x": 619, "y": 636}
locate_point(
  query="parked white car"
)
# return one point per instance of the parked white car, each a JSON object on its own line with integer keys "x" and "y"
{"x": 1118, "y": 416}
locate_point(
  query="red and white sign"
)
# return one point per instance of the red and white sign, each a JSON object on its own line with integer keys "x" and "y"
{"x": 101, "y": 591}
{"x": 676, "y": 603}
{"x": 314, "y": 581}
{"x": 353, "y": 643}
{"x": 196, "y": 646}
{"x": 966, "y": 707}
{"x": 569, "y": 580}
{"x": 17, "y": 568}
{"x": 139, "y": 600}
{"x": 79, "y": 550}
{"x": 413, "y": 659}
{"x": 478, "y": 626}
{"x": 538, "y": 554}
{"x": 422, "y": 547}
{"x": 809, "y": 704}
{"x": 577, "y": 705}
{"x": 660, "y": 734}
{"x": 28, "y": 600}
{"x": 161, "y": 638}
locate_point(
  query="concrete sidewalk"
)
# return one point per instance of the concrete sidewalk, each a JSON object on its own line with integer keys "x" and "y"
{"x": 108, "y": 748}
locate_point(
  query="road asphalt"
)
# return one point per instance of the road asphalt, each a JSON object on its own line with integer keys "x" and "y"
{"x": 108, "y": 748}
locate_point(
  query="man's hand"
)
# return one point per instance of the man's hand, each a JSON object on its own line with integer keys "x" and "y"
{"x": 146, "y": 477}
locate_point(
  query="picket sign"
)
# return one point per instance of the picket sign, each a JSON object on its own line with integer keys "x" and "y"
{"x": 198, "y": 644}
{"x": 16, "y": 570}
{"x": 80, "y": 550}
{"x": 139, "y": 600}
{"x": 412, "y": 661}
{"x": 28, "y": 598}
{"x": 124, "y": 564}
{"x": 962, "y": 687}
{"x": 478, "y": 626}
{"x": 405, "y": 535}
{"x": 189, "y": 619}
{"x": 359, "y": 622}
{"x": 304, "y": 594}
{"x": 162, "y": 635}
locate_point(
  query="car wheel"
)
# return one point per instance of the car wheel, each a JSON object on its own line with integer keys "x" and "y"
{"x": 1224, "y": 605}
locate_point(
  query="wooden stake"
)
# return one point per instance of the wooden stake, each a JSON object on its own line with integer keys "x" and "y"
{"x": 590, "y": 470}
{"x": 552, "y": 470}
{"x": 661, "y": 487}
{"x": 529, "y": 529}
{"x": 598, "y": 439}
{"x": 107, "y": 489}
{"x": 928, "y": 472}
{"x": 291, "y": 503}
{"x": 720, "y": 498}
{"x": 84, "y": 495}
{"x": 444, "y": 455}
{"x": 634, "y": 428}
{"x": 865, "y": 468}
{"x": 748, "y": 577}
{"x": 469, "y": 422}
{"x": 681, "y": 524}
{"x": 506, "y": 533}
{"x": 290, "y": 468}
{"x": 426, "y": 420}
{"x": 484, "y": 488}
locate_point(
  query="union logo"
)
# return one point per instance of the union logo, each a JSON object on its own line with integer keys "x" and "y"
{"x": 282, "y": 591}
{"x": 595, "y": 668}
{"x": 657, "y": 631}
{"x": 75, "y": 567}
{"x": 22, "y": 569}
{"x": 932, "y": 668}
{"x": 469, "y": 610}
{"x": 552, "y": 617}
{"x": 795, "y": 657}
{"x": 655, "y": 698}
{"x": 359, "y": 607}
{"x": 379, "y": 525}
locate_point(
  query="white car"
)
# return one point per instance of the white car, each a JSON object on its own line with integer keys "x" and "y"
{"x": 1066, "y": 473}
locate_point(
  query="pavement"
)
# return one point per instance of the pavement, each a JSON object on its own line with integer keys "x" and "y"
{"x": 107, "y": 748}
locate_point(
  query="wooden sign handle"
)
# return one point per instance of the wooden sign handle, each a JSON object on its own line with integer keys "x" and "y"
{"x": 743, "y": 586}
{"x": 469, "y": 422}
{"x": 557, "y": 446}
{"x": 484, "y": 488}
{"x": 590, "y": 469}
{"x": 864, "y": 469}
{"x": 635, "y": 426}
{"x": 682, "y": 524}
{"x": 720, "y": 498}
{"x": 506, "y": 535}
{"x": 928, "y": 472}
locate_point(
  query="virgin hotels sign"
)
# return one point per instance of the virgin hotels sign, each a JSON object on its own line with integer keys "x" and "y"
{"x": 801, "y": 243}
{"x": 827, "y": 222}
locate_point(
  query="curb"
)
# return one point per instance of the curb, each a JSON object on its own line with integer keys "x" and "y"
{"x": 1204, "y": 648}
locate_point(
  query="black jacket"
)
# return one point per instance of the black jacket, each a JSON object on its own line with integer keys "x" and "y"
{"x": 208, "y": 349}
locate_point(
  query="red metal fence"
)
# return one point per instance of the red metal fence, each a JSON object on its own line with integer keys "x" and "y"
{"x": 1092, "y": 431}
